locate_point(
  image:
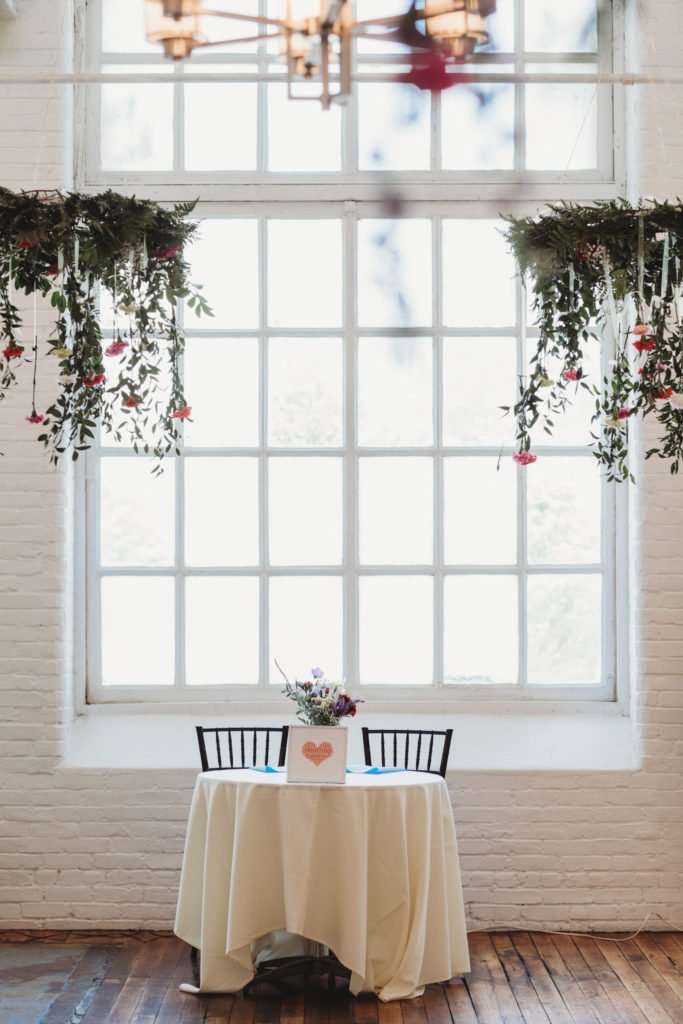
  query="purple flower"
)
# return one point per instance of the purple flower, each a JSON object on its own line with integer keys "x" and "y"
{"x": 317, "y": 673}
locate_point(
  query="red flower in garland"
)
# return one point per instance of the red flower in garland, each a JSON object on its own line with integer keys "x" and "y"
{"x": 571, "y": 374}
{"x": 53, "y": 270}
{"x": 646, "y": 345}
{"x": 664, "y": 393}
{"x": 35, "y": 417}
{"x": 623, "y": 414}
{"x": 93, "y": 379}
{"x": 166, "y": 254}
{"x": 116, "y": 348}
{"x": 12, "y": 352}
{"x": 130, "y": 403}
{"x": 524, "y": 458}
{"x": 25, "y": 243}
{"x": 182, "y": 414}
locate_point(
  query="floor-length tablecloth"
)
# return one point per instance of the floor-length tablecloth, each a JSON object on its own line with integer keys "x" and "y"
{"x": 369, "y": 869}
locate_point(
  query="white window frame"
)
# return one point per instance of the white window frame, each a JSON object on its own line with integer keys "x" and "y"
{"x": 351, "y": 570}
{"x": 350, "y": 182}
{"x": 434, "y": 196}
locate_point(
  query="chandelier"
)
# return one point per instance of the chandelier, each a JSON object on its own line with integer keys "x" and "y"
{"x": 315, "y": 36}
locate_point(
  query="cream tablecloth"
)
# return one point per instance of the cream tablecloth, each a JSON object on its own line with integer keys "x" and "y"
{"x": 369, "y": 869}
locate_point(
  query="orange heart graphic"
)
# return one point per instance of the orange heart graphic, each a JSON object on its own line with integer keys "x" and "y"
{"x": 317, "y": 753}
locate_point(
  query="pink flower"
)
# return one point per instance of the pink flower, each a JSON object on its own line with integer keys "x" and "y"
{"x": 12, "y": 352}
{"x": 644, "y": 345}
{"x": 623, "y": 414}
{"x": 35, "y": 418}
{"x": 524, "y": 458}
{"x": 93, "y": 379}
{"x": 130, "y": 403}
{"x": 166, "y": 254}
{"x": 116, "y": 348}
{"x": 182, "y": 414}
{"x": 571, "y": 374}
{"x": 641, "y": 329}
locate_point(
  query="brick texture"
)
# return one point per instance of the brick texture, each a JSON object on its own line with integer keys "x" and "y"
{"x": 80, "y": 848}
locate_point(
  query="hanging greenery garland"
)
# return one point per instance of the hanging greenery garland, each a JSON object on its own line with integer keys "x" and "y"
{"x": 87, "y": 252}
{"x": 609, "y": 271}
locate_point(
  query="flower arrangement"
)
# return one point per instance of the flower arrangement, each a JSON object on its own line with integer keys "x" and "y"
{"x": 318, "y": 701}
{"x": 76, "y": 250}
{"x": 616, "y": 266}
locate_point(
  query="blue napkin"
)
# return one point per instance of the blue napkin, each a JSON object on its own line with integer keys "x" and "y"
{"x": 349, "y": 771}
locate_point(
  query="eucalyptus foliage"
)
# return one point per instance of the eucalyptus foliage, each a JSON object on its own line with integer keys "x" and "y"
{"x": 610, "y": 272}
{"x": 85, "y": 253}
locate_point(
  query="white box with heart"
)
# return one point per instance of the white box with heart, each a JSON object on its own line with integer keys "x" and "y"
{"x": 317, "y": 753}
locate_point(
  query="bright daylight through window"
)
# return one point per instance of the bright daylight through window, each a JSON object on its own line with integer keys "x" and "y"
{"x": 346, "y": 490}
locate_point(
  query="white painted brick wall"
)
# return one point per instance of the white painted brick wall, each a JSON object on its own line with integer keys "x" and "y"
{"x": 80, "y": 848}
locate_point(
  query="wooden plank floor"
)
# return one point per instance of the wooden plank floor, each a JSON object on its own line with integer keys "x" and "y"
{"x": 516, "y": 978}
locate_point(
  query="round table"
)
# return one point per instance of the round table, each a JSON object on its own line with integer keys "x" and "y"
{"x": 368, "y": 869}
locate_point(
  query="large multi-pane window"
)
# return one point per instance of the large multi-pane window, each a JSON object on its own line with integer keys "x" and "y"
{"x": 346, "y": 494}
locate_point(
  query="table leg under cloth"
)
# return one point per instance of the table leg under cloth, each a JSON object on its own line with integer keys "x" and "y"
{"x": 369, "y": 870}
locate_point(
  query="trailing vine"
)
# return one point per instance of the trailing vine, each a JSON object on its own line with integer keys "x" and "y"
{"x": 611, "y": 272}
{"x": 85, "y": 253}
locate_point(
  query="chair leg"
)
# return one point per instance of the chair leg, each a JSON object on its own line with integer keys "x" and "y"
{"x": 194, "y": 960}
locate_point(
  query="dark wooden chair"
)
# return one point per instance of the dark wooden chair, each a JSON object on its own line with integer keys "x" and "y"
{"x": 236, "y": 747}
{"x": 416, "y": 750}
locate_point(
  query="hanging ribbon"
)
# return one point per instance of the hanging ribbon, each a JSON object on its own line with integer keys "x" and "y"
{"x": 641, "y": 254}
{"x": 60, "y": 260}
{"x": 611, "y": 302}
{"x": 571, "y": 286}
{"x": 77, "y": 252}
{"x": 665, "y": 266}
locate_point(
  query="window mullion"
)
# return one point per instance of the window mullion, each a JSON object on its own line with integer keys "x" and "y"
{"x": 352, "y": 586}
{"x": 437, "y": 399}
{"x": 264, "y": 593}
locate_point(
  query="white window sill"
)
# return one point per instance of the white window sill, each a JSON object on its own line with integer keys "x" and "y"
{"x": 107, "y": 737}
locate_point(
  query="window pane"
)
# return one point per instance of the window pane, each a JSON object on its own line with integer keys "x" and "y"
{"x": 305, "y": 389}
{"x": 304, "y": 273}
{"x": 480, "y": 516}
{"x": 306, "y": 627}
{"x": 233, "y": 147}
{"x": 221, "y": 511}
{"x": 478, "y": 275}
{"x": 394, "y": 273}
{"x": 480, "y": 627}
{"x": 563, "y": 501}
{"x": 561, "y": 121}
{"x": 479, "y": 377}
{"x": 560, "y": 27}
{"x": 393, "y": 127}
{"x": 138, "y": 626}
{"x": 221, "y": 385}
{"x": 501, "y": 29}
{"x": 301, "y": 135}
{"x": 123, "y": 27}
{"x": 222, "y": 631}
{"x": 396, "y": 511}
{"x": 366, "y": 10}
{"x": 137, "y": 512}
{"x": 564, "y": 629}
{"x": 395, "y": 392}
{"x": 478, "y": 126}
{"x": 396, "y": 629}
{"x": 305, "y": 507}
{"x": 136, "y": 123}
{"x": 225, "y": 262}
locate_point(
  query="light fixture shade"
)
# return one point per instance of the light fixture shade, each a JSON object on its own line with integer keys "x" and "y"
{"x": 456, "y": 24}
{"x": 178, "y": 34}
